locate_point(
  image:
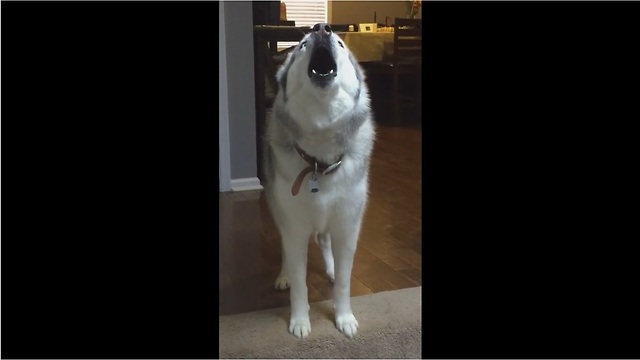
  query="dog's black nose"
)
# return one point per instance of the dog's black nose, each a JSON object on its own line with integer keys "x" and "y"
{"x": 322, "y": 28}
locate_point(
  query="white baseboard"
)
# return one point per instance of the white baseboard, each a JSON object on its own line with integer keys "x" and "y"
{"x": 245, "y": 184}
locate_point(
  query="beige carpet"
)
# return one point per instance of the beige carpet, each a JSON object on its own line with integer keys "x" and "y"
{"x": 390, "y": 328}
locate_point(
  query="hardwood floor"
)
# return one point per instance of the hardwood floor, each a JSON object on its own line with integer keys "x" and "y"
{"x": 389, "y": 252}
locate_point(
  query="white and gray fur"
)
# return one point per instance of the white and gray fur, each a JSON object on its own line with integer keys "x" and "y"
{"x": 327, "y": 113}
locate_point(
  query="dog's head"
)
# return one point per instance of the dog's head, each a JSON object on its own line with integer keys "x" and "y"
{"x": 320, "y": 62}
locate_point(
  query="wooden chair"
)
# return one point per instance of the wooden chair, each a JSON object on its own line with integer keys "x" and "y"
{"x": 406, "y": 60}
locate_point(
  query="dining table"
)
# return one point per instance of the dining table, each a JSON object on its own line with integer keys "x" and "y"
{"x": 369, "y": 46}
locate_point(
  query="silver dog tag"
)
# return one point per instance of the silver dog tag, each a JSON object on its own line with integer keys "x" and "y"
{"x": 313, "y": 183}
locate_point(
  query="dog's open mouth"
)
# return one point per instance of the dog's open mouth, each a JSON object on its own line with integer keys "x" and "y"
{"x": 322, "y": 67}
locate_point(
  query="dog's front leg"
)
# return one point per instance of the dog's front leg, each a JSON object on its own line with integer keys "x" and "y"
{"x": 296, "y": 244}
{"x": 344, "y": 240}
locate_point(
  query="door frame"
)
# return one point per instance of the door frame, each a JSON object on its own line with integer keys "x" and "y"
{"x": 224, "y": 169}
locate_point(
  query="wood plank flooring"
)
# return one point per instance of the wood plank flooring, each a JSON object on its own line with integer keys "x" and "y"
{"x": 389, "y": 252}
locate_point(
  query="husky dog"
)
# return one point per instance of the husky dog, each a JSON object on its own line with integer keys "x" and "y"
{"x": 318, "y": 145}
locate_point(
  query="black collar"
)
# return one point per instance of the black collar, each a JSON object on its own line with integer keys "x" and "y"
{"x": 315, "y": 167}
{"x": 318, "y": 166}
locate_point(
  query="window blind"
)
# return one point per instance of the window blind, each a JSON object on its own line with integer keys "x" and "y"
{"x": 305, "y": 13}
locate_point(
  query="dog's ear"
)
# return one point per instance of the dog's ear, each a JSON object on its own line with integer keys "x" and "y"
{"x": 356, "y": 66}
{"x": 281, "y": 75}
{"x": 359, "y": 74}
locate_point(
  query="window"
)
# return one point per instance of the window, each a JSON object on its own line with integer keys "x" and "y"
{"x": 304, "y": 13}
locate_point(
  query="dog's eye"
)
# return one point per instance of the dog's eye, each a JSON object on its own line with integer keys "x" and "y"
{"x": 341, "y": 45}
{"x": 303, "y": 44}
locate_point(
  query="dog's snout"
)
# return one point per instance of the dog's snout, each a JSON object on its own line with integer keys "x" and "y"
{"x": 322, "y": 28}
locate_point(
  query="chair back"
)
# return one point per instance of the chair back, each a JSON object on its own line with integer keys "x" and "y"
{"x": 407, "y": 42}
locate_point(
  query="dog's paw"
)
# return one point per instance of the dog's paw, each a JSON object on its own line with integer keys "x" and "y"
{"x": 300, "y": 327}
{"x": 347, "y": 324}
{"x": 282, "y": 282}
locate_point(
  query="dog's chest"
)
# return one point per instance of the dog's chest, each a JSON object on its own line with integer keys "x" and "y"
{"x": 314, "y": 207}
